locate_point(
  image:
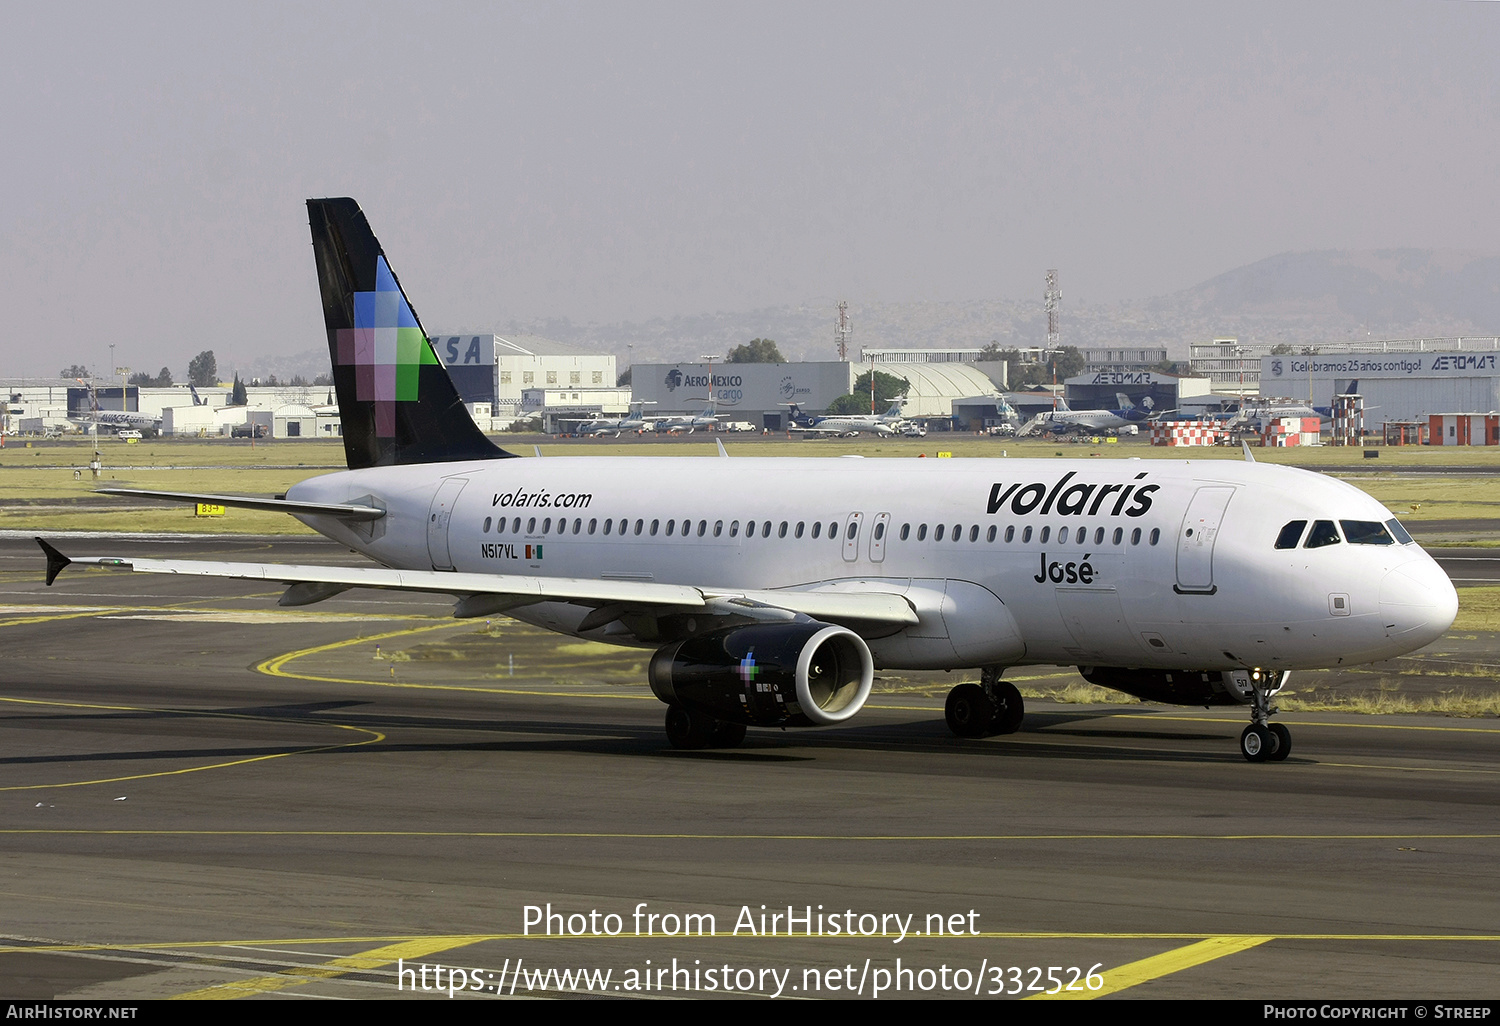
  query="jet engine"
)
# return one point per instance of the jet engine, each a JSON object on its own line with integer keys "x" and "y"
{"x": 800, "y": 674}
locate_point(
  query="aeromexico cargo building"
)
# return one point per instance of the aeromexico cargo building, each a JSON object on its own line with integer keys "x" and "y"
{"x": 759, "y": 393}
{"x": 1408, "y": 386}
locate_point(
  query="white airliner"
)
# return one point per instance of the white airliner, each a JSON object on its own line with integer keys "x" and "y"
{"x": 772, "y": 589}
{"x": 1065, "y": 419}
{"x": 887, "y": 423}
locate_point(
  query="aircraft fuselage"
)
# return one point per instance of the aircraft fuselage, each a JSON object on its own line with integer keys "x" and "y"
{"x": 1140, "y": 563}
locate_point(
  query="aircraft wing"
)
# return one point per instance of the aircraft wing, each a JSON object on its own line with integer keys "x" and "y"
{"x": 484, "y": 594}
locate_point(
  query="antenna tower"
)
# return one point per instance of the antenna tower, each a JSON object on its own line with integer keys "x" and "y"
{"x": 842, "y": 331}
{"x": 1053, "y": 297}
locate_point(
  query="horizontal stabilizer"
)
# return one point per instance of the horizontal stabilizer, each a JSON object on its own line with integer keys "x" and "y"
{"x": 344, "y": 511}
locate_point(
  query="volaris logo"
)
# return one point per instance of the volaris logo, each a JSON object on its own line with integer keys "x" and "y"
{"x": 1078, "y": 499}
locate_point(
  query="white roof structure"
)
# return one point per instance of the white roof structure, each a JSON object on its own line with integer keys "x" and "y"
{"x": 934, "y": 386}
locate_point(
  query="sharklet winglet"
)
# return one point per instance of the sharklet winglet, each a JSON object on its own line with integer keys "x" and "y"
{"x": 56, "y": 561}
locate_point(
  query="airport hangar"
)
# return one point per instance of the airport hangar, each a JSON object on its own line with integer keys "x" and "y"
{"x": 761, "y": 393}
{"x": 1398, "y": 387}
{"x": 491, "y": 373}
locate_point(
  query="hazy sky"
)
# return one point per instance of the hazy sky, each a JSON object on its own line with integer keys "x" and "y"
{"x": 621, "y": 161}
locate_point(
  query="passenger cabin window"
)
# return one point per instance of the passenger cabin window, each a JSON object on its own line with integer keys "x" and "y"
{"x": 1322, "y": 533}
{"x": 1366, "y": 532}
{"x": 922, "y": 533}
{"x": 1291, "y": 534}
{"x": 799, "y": 528}
{"x": 487, "y": 525}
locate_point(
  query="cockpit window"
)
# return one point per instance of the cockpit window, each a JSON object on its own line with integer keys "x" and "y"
{"x": 1291, "y": 534}
{"x": 1366, "y": 532}
{"x": 1399, "y": 531}
{"x": 1323, "y": 533}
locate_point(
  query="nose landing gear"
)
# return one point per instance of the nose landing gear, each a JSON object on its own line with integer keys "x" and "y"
{"x": 1264, "y": 741}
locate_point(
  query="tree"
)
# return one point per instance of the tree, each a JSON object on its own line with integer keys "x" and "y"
{"x": 1282, "y": 350}
{"x": 1066, "y": 362}
{"x": 991, "y": 352}
{"x": 888, "y": 387}
{"x": 757, "y": 350}
{"x": 203, "y": 369}
{"x": 77, "y": 370}
{"x": 162, "y": 380}
{"x": 624, "y": 378}
{"x": 237, "y": 395}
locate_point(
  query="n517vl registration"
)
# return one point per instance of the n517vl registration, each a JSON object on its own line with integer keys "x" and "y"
{"x": 771, "y": 589}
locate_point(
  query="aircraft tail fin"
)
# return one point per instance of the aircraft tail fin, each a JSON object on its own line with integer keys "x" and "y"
{"x": 194, "y": 390}
{"x": 396, "y": 401}
{"x": 1124, "y": 400}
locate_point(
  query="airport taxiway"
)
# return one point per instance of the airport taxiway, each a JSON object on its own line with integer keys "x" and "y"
{"x": 204, "y": 794}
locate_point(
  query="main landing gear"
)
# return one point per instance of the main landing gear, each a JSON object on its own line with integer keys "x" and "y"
{"x": 1264, "y": 741}
{"x": 692, "y": 729}
{"x": 993, "y": 706}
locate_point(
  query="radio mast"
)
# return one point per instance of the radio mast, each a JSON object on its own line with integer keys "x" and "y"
{"x": 842, "y": 331}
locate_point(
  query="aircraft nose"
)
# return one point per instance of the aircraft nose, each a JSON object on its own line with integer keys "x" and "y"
{"x": 1417, "y": 602}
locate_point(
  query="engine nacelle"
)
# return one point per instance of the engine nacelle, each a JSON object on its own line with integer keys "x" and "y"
{"x": 1187, "y": 687}
{"x": 803, "y": 674}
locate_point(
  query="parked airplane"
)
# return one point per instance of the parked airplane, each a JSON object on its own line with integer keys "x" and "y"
{"x": 616, "y": 426}
{"x": 708, "y": 420}
{"x": 888, "y": 423}
{"x": 116, "y": 420}
{"x": 771, "y": 589}
{"x": 1063, "y": 420}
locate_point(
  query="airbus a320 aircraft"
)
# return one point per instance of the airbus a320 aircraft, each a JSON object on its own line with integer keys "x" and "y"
{"x": 772, "y": 589}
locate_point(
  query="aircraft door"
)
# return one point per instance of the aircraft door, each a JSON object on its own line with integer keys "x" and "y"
{"x": 851, "y": 537}
{"x": 878, "y": 532}
{"x": 438, "y": 518}
{"x": 1196, "y": 537}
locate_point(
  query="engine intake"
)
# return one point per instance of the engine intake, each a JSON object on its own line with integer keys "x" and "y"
{"x": 806, "y": 674}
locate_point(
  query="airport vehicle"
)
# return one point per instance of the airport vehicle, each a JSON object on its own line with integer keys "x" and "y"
{"x": 771, "y": 589}
{"x": 1064, "y": 420}
{"x": 886, "y": 424}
